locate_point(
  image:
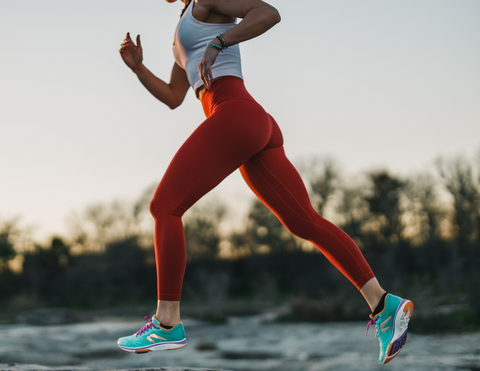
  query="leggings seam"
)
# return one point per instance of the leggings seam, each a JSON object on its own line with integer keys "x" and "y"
{"x": 306, "y": 220}
{"x": 283, "y": 185}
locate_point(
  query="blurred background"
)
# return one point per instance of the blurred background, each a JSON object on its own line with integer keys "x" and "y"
{"x": 378, "y": 103}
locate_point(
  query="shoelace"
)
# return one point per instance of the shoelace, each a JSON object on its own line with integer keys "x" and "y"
{"x": 147, "y": 327}
{"x": 372, "y": 322}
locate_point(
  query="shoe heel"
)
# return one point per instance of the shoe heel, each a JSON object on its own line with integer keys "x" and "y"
{"x": 408, "y": 309}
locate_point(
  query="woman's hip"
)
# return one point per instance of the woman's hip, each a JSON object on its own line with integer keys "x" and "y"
{"x": 225, "y": 88}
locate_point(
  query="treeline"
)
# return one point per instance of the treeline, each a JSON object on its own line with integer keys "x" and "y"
{"x": 421, "y": 235}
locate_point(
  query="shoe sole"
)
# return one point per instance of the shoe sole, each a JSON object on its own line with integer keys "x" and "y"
{"x": 399, "y": 334}
{"x": 171, "y": 345}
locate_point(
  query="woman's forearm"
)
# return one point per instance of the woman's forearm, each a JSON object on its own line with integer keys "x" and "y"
{"x": 257, "y": 21}
{"x": 157, "y": 87}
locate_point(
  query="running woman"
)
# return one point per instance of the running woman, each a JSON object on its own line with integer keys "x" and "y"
{"x": 237, "y": 133}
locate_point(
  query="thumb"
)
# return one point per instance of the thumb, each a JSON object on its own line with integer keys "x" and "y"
{"x": 139, "y": 43}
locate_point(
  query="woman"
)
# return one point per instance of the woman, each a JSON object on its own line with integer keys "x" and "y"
{"x": 237, "y": 133}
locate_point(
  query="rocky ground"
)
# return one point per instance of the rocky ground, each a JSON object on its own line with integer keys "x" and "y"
{"x": 243, "y": 344}
{"x": 22, "y": 367}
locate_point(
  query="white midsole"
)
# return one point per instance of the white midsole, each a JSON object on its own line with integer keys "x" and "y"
{"x": 399, "y": 330}
{"x": 159, "y": 346}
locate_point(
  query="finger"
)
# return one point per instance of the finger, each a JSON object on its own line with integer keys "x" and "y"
{"x": 200, "y": 74}
{"x": 207, "y": 81}
{"x": 204, "y": 80}
{"x": 205, "y": 77}
{"x": 139, "y": 43}
{"x": 210, "y": 74}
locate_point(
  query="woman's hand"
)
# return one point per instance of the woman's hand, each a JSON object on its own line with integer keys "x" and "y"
{"x": 132, "y": 54}
{"x": 205, "y": 65}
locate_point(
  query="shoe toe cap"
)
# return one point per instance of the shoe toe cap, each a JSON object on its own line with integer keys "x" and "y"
{"x": 126, "y": 341}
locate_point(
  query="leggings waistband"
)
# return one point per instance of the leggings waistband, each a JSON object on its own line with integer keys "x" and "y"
{"x": 224, "y": 89}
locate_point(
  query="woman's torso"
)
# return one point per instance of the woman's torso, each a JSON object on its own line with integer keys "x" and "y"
{"x": 191, "y": 38}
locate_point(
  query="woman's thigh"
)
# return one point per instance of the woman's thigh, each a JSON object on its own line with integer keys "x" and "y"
{"x": 221, "y": 144}
{"x": 276, "y": 182}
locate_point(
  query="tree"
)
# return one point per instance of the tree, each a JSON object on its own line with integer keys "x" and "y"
{"x": 459, "y": 181}
{"x": 103, "y": 223}
{"x": 202, "y": 234}
{"x": 266, "y": 232}
{"x": 425, "y": 209}
{"x": 7, "y": 249}
{"x": 323, "y": 185}
{"x": 353, "y": 209}
{"x": 43, "y": 268}
{"x": 323, "y": 178}
{"x": 384, "y": 203}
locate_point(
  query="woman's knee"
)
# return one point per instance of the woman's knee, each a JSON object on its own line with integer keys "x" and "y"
{"x": 160, "y": 208}
{"x": 303, "y": 228}
{"x": 296, "y": 227}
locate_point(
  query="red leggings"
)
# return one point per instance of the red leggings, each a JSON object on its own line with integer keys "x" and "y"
{"x": 238, "y": 133}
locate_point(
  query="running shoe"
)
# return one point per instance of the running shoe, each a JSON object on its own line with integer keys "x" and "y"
{"x": 152, "y": 337}
{"x": 391, "y": 326}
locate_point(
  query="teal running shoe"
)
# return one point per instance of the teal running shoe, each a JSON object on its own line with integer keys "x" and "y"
{"x": 391, "y": 326}
{"x": 152, "y": 337}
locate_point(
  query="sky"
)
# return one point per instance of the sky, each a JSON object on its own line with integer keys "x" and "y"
{"x": 372, "y": 84}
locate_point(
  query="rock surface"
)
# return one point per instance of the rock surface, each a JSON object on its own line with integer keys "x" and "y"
{"x": 243, "y": 344}
{"x": 20, "y": 367}
{"x": 47, "y": 317}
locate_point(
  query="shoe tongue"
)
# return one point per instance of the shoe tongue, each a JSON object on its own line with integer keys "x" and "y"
{"x": 154, "y": 320}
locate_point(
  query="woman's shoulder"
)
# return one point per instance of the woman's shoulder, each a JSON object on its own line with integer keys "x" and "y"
{"x": 202, "y": 9}
{"x": 205, "y": 2}
{"x": 208, "y": 11}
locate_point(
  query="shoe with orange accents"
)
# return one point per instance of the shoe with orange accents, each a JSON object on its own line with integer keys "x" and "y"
{"x": 391, "y": 326}
{"x": 153, "y": 337}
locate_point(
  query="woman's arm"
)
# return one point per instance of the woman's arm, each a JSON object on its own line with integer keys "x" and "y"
{"x": 173, "y": 93}
{"x": 258, "y": 17}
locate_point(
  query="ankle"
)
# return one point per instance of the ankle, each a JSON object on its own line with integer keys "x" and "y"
{"x": 167, "y": 320}
{"x": 372, "y": 292}
{"x": 380, "y": 305}
{"x": 168, "y": 312}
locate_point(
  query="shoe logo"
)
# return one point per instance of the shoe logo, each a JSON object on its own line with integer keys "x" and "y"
{"x": 149, "y": 338}
{"x": 382, "y": 325}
